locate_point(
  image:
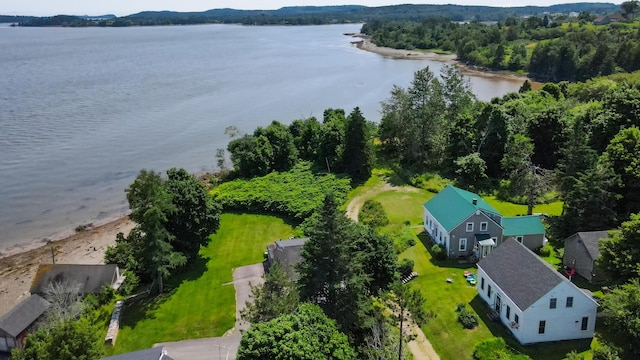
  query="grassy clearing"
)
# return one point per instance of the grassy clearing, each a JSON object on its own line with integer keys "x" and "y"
{"x": 511, "y": 209}
{"x": 197, "y": 303}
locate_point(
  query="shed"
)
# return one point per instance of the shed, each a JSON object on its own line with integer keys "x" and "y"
{"x": 581, "y": 252}
{"x": 288, "y": 253}
{"x": 90, "y": 277}
{"x": 21, "y": 320}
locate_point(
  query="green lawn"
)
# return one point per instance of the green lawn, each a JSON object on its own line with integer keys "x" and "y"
{"x": 511, "y": 209}
{"x": 198, "y": 304}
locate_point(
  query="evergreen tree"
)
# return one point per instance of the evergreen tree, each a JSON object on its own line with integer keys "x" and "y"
{"x": 358, "y": 152}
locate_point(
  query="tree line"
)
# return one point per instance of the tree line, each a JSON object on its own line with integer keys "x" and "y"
{"x": 318, "y": 15}
{"x": 548, "y": 48}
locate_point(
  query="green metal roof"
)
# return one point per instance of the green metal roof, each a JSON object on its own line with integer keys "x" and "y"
{"x": 452, "y": 206}
{"x": 522, "y": 225}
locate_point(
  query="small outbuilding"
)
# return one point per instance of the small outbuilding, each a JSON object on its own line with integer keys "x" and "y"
{"x": 288, "y": 253}
{"x": 20, "y": 321}
{"x": 581, "y": 250}
{"x": 90, "y": 277}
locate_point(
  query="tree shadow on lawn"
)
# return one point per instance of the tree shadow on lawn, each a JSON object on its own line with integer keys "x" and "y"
{"x": 145, "y": 309}
{"x": 556, "y": 350}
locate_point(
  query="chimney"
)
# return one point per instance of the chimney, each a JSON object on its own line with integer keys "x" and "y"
{"x": 474, "y": 201}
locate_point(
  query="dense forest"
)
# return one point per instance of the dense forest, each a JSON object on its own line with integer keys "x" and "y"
{"x": 312, "y": 15}
{"x": 549, "y": 47}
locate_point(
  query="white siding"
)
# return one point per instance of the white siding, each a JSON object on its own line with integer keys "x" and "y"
{"x": 435, "y": 230}
{"x": 562, "y": 323}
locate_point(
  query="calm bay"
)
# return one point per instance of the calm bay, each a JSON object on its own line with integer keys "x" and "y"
{"x": 82, "y": 110}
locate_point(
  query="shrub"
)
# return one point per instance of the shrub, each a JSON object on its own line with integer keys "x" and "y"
{"x": 468, "y": 319}
{"x": 460, "y": 307}
{"x": 560, "y": 253}
{"x": 573, "y": 355}
{"x": 605, "y": 352}
{"x": 495, "y": 349}
{"x": 295, "y": 193}
{"x": 405, "y": 267}
{"x": 411, "y": 242}
{"x": 373, "y": 214}
{"x": 545, "y": 251}
{"x": 438, "y": 252}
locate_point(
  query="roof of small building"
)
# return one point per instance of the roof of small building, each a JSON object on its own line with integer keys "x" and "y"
{"x": 23, "y": 315}
{"x": 522, "y": 225}
{"x": 522, "y": 275}
{"x": 591, "y": 241}
{"x": 90, "y": 277}
{"x": 155, "y": 353}
{"x": 452, "y": 206}
{"x": 291, "y": 242}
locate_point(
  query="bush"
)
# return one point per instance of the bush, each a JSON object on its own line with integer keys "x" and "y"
{"x": 495, "y": 349}
{"x": 438, "y": 252}
{"x": 605, "y": 352}
{"x": 573, "y": 355}
{"x": 373, "y": 214}
{"x": 545, "y": 251}
{"x": 405, "y": 267}
{"x": 411, "y": 242}
{"x": 295, "y": 193}
{"x": 468, "y": 319}
{"x": 560, "y": 253}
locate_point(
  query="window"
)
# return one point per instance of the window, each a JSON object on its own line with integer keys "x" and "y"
{"x": 484, "y": 226}
{"x": 541, "y": 327}
{"x": 462, "y": 246}
{"x": 585, "y": 323}
{"x": 570, "y": 301}
{"x": 519, "y": 238}
{"x": 552, "y": 303}
{"x": 482, "y": 283}
{"x": 469, "y": 227}
{"x": 508, "y": 312}
{"x": 516, "y": 319}
{"x": 489, "y": 291}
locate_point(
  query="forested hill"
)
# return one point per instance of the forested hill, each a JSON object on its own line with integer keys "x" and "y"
{"x": 312, "y": 15}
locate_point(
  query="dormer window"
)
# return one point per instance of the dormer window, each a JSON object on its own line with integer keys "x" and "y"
{"x": 484, "y": 226}
{"x": 469, "y": 227}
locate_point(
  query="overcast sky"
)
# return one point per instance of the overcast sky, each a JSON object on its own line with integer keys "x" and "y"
{"x": 126, "y": 7}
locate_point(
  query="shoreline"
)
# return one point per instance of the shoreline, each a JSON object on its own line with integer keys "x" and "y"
{"x": 83, "y": 247}
{"x": 365, "y": 44}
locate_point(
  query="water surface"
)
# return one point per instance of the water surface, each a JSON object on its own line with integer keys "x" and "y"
{"x": 83, "y": 110}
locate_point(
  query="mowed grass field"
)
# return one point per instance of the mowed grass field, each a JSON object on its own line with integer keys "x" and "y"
{"x": 198, "y": 303}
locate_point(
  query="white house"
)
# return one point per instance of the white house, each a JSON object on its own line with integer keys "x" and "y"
{"x": 534, "y": 301}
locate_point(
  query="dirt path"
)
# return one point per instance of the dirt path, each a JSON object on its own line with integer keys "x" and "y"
{"x": 420, "y": 347}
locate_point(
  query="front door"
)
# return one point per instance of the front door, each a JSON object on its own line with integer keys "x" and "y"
{"x": 498, "y": 303}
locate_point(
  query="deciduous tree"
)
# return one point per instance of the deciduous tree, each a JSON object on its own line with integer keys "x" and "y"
{"x": 306, "y": 334}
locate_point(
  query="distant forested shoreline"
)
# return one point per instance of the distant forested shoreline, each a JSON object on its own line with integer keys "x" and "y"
{"x": 312, "y": 15}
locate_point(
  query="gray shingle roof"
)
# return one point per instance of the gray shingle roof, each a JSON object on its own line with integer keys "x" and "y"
{"x": 591, "y": 239}
{"x": 90, "y": 277}
{"x": 522, "y": 275}
{"x": 291, "y": 242}
{"x": 23, "y": 315}
{"x": 155, "y": 353}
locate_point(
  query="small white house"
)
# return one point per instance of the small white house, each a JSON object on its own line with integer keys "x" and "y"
{"x": 533, "y": 300}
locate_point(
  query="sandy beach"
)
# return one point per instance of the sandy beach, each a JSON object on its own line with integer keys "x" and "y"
{"x": 84, "y": 247}
{"x": 365, "y": 44}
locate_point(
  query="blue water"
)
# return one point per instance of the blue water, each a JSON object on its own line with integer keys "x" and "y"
{"x": 83, "y": 110}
